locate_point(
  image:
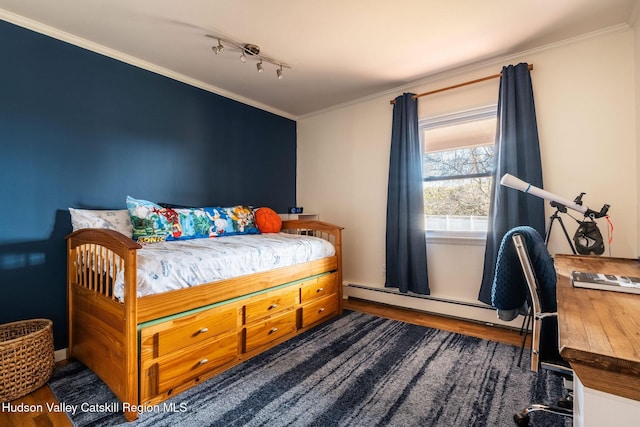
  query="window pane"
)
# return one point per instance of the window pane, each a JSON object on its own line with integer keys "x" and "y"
{"x": 457, "y": 204}
{"x": 463, "y": 161}
{"x": 457, "y": 169}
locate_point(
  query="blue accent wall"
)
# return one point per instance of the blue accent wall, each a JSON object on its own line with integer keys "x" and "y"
{"x": 78, "y": 129}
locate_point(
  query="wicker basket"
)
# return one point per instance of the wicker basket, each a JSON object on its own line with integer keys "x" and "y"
{"x": 26, "y": 357}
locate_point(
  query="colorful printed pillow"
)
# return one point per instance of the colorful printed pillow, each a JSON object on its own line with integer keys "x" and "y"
{"x": 229, "y": 221}
{"x": 118, "y": 220}
{"x": 153, "y": 223}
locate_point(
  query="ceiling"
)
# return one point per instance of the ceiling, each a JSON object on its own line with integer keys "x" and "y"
{"x": 339, "y": 50}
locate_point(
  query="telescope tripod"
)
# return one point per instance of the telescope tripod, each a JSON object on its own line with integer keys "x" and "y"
{"x": 554, "y": 217}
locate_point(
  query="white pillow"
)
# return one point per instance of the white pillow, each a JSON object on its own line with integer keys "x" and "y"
{"x": 118, "y": 220}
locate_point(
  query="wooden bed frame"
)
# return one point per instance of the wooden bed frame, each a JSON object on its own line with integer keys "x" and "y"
{"x": 150, "y": 348}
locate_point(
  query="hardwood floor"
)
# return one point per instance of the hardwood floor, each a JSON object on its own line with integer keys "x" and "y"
{"x": 473, "y": 329}
{"x": 36, "y": 413}
{"x": 43, "y": 396}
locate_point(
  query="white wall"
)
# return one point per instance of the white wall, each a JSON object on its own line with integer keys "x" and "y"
{"x": 636, "y": 45}
{"x": 585, "y": 100}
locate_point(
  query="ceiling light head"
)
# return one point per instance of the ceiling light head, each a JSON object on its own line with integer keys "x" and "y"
{"x": 259, "y": 66}
{"x": 279, "y": 72}
{"x": 219, "y": 48}
{"x": 243, "y": 58}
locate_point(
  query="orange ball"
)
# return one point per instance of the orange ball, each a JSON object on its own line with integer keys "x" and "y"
{"x": 268, "y": 221}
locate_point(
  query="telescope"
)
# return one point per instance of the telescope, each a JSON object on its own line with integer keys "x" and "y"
{"x": 556, "y": 201}
{"x": 587, "y": 238}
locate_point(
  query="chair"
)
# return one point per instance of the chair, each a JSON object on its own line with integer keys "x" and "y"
{"x": 525, "y": 246}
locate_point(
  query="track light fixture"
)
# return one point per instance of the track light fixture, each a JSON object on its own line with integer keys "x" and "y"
{"x": 219, "y": 48}
{"x": 248, "y": 50}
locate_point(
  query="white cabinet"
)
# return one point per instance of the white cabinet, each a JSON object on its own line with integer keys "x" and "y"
{"x": 594, "y": 408}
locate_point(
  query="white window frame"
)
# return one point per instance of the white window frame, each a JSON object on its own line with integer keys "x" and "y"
{"x": 461, "y": 237}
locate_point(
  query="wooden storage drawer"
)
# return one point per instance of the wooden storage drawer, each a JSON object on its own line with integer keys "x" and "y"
{"x": 195, "y": 360}
{"x": 179, "y": 333}
{"x": 264, "y": 332}
{"x": 318, "y": 287}
{"x": 318, "y": 310}
{"x": 269, "y": 304}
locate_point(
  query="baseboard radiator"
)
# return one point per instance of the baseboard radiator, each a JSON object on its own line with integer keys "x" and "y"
{"x": 465, "y": 310}
{"x": 425, "y": 297}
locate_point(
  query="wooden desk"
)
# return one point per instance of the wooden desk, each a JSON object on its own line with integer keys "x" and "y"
{"x": 600, "y": 330}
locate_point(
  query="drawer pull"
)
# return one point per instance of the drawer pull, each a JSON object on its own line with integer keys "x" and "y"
{"x": 203, "y": 361}
{"x": 272, "y": 306}
{"x": 273, "y": 330}
{"x": 203, "y": 330}
{"x": 321, "y": 310}
{"x": 319, "y": 289}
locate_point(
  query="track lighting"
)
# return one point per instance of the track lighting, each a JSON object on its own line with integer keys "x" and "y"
{"x": 248, "y": 50}
{"x": 219, "y": 48}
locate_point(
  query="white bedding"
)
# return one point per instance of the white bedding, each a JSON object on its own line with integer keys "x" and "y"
{"x": 165, "y": 266}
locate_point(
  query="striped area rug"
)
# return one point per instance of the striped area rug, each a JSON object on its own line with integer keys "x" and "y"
{"x": 357, "y": 370}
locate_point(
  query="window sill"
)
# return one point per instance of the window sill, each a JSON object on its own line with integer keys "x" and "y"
{"x": 467, "y": 238}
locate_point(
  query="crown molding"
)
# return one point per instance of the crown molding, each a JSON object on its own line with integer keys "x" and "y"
{"x": 57, "y": 34}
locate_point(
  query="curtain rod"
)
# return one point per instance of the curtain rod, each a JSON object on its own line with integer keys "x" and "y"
{"x": 495, "y": 76}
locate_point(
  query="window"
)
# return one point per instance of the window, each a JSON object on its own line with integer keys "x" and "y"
{"x": 458, "y": 163}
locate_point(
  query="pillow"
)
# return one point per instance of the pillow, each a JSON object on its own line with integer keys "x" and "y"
{"x": 268, "y": 221}
{"x": 153, "y": 223}
{"x": 229, "y": 221}
{"x": 118, "y": 220}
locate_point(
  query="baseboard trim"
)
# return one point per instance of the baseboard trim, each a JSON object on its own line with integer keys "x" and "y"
{"x": 60, "y": 355}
